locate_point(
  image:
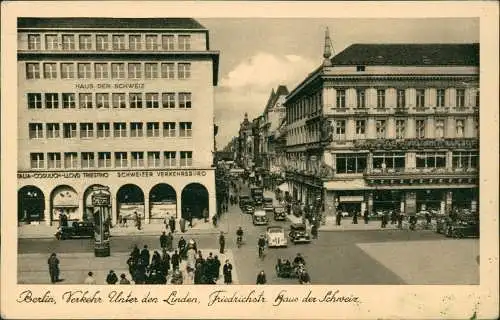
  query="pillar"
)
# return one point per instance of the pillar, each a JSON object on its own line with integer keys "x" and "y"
{"x": 402, "y": 205}
{"x": 448, "y": 201}
{"x": 46, "y": 211}
{"x": 330, "y": 203}
{"x": 369, "y": 201}
{"x": 410, "y": 202}
{"x": 114, "y": 210}
{"x": 146, "y": 209}
{"x": 212, "y": 204}
{"x": 179, "y": 206}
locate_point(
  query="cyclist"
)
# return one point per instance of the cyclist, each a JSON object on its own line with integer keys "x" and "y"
{"x": 239, "y": 236}
{"x": 261, "y": 244}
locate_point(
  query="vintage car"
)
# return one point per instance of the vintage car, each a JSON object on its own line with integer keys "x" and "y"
{"x": 243, "y": 201}
{"x": 78, "y": 229}
{"x": 248, "y": 209}
{"x": 298, "y": 233}
{"x": 279, "y": 213}
{"x": 260, "y": 218}
{"x": 276, "y": 237}
{"x": 268, "y": 203}
{"x": 463, "y": 229}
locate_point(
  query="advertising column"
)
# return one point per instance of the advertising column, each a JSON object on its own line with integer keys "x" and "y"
{"x": 102, "y": 207}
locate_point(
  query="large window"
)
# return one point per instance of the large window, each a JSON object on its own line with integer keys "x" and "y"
{"x": 86, "y": 130}
{"x": 168, "y": 42}
{"x": 169, "y": 158}
{"x": 120, "y": 129}
{"x": 168, "y": 100}
{"x": 68, "y": 100}
{"x": 102, "y": 100}
{"x": 32, "y": 71}
{"x": 50, "y": 70}
{"x": 400, "y": 99}
{"x": 185, "y": 129}
{"x": 134, "y": 42}
{"x": 35, "y": 130}
{"x": 184, "y": 42}
{"x": 34, "y": 100}
{"x": 54, "y": 160}
{"x": 440, "y": 129}
{"x": 420, "y": 129}
{"x": 104, "y": 159}
{"x": 34, "y": 42}
{"x": 151, "y": 70}
{"x": 85, "y": 42}
{"x": 420, "y": 103}
{"x": 460, "y": 128}
{"x": 360, "y": 128}
{"x": 69, "y": 130}
{"x": 153, "y": 129}
{"x": 431, "y": 159}
{"x": 37, "y": 160}
{"x": 118, "y": 100}
{"x": 136, "y": 129}
{"x": 169, "y": 129}
{"x": 101, "y": 70}
{"x": 154, "y": 159}
{"x": 340, "y": 98}
{"x": 152, "y": 100}
{"x": 351, "y": 163}
{"x": 67, "y": 70}
{"x": 184, "y": 70}
{"x": 389, "y": 160}
{"x": 88, "y": 160}
{"x": 102, "y": 42}
{"x": 381, "y": 98}
{"x": 186, "y": 158}
{"x": 185, "y": 100}
{"x": 440, "y": 94}
{"x": 53, "y": 130}
{"x": 380, "y": 127}
{"x": 85, "y": 100}
{"x": 460, "y": 98}
{"x": 339, "y": 129}
{"x": 151, "y": 42}
{"x": 103, "y": 130}
{"x": 121, "y": 160}
{"x": 70, "y": 160}
{"x": 135, "y": 100}
{"x": 137, "y": 159}
{"x": 118, "y": 70}
{"x": 68, "y": 42}
{"x": 118, "y": 42}
{"x": 400, "y": 129}
{"x": 134, "y": 71}
{"x": 361, "y": 98}
{"x": 84, "y": 71}
{"x": 168, "y": 70}
{"x": 51, "y": 42}
{"x": 51, "y": 100}
{"x": 465, "y": 159}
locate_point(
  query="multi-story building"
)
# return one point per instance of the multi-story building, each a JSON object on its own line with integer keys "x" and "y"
{"x": 245, "y": 144}
{"x": 123, "y": 103}
{"x": 387, "y": 126}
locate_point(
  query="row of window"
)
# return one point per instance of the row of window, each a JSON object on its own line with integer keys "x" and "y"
{"x": 103, "y": 130}
{"x": 357, "y": 163}
{"x": 116, "y": 42}
{"x": 302, "y": 135}
{"x": 108, "y": 70}
{"x": 309, "y": 105}
{"x": 122, "y": 159}
{"x": 106, "y": 100}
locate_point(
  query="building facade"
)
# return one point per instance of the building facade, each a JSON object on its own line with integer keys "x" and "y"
{"x": 245, "y": 152}
{"x": 125, "y": 104}
{"x": 387, "y": 127}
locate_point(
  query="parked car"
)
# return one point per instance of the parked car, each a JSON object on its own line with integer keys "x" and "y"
{"x": 259, "y": 217}
{"x": 268, "y": 203}
{"x": 298, "y": 233}
{"x": 279, "y": 213}
{"x": 276, "y": 237}
{"x": 248, "y": 209}
{"x": 78, "y": 229}
{"x": 243, "y": 200}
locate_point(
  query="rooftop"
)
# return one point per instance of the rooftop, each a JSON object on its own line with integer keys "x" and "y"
{"x": 110, "y": 23}
{"x": 409, "y": 54}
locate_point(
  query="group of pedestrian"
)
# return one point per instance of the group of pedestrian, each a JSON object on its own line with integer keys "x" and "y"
{"x": 147, "y": 269}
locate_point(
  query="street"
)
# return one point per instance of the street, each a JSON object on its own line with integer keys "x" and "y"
{"x": 342, "y": 257}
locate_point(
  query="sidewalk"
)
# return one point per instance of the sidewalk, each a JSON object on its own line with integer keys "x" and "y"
{"x": 43, "y": 231}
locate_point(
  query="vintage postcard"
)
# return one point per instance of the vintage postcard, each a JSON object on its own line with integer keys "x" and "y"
{"x": 249, "y": 160}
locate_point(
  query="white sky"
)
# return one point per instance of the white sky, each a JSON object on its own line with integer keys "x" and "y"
{"x": 258, "y": 54}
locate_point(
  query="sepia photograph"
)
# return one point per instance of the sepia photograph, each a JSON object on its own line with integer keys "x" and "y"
{"x": 294, "y": 152}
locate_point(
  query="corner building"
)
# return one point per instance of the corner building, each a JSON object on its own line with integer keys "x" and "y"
{"x": 387, "y": 127}
{"x": 123, "y": 103}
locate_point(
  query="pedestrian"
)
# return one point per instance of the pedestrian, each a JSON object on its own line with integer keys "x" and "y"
{"x": 163, "y": 240}
{"x": 339, "y": 218}
{"x": 261, "y": 277}
{"x": 90, "y": 278}
{"x": 400, "y": 220}
{"x": 314, "y": 231}
{"x": 222, "y": 242}
{"x": 171, "y": 224}
{"x": 137, "y": 220}
{"x": 217, "y": 265}
{"x": 210, "y": 267}
{"x": 205, "y": 214}
{"x": 228, "y": 272}
{"x": 355, "y": 217}
{"x": 53, "y": 263}
{"x": 135, "y": 252}
{"x": 123, "y": 279}
{"x": 182, "y": 247}
{"x": 145, "y": 256}
{"x": 165, "y": 261}
{"x": 175, "y": 260}
{"x": 111, "y": 278}
{"x": 132, "y": 266}
{"x": 366, "y": 217}
{"x": 170, "y": 242}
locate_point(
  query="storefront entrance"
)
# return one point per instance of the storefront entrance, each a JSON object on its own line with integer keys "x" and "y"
{"x": 194, "y": 199}
{"x": 387, "y": 200}
{"x": 130, "y": 203}
{"x": 64, "y": 201}
{"x": 429, "y": 200}
{"x": 163, "y": 203}
{"x": 30, "y": 204}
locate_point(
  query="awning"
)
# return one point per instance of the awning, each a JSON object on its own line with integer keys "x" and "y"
{"x": 283, "y": 187}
